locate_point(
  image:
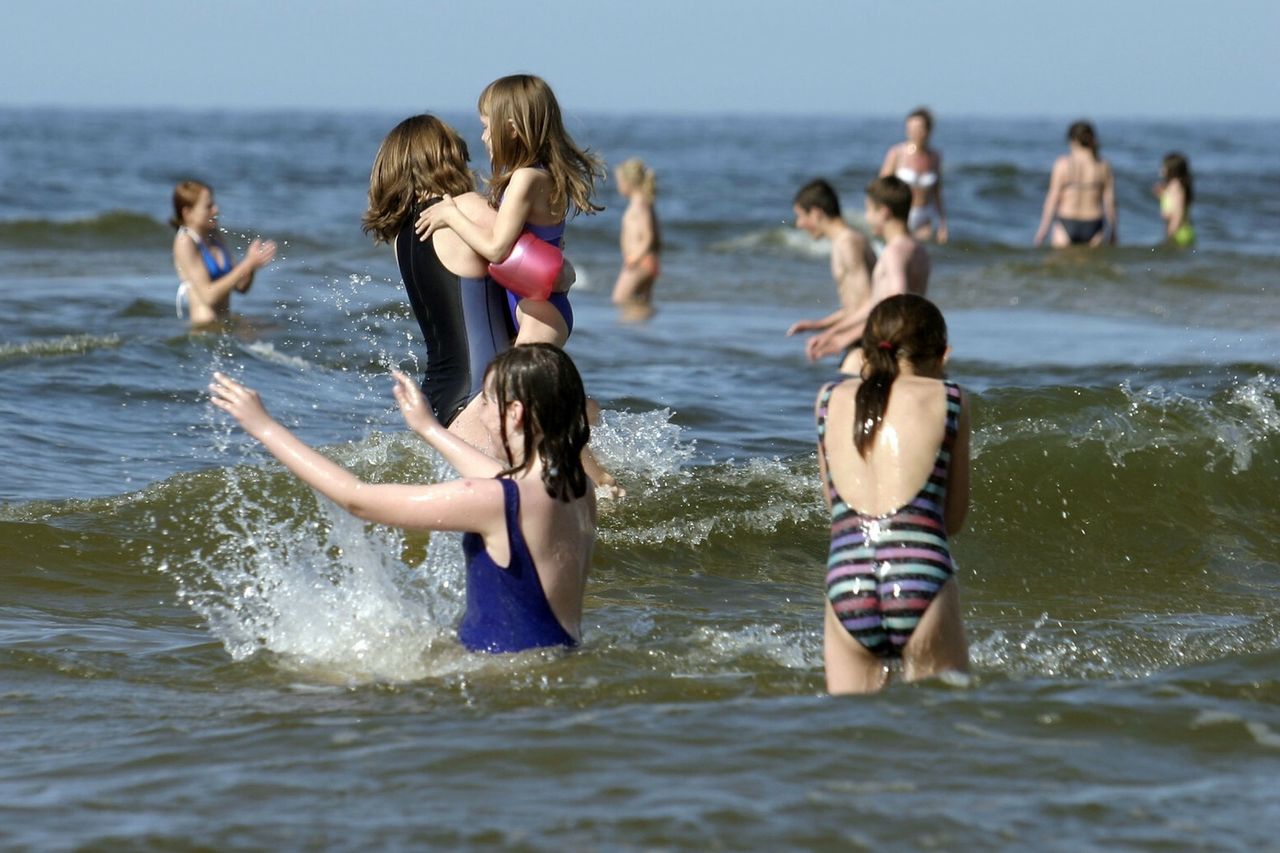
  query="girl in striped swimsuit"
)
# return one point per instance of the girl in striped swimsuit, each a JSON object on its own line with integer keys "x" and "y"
{"x": 891, "y": 594}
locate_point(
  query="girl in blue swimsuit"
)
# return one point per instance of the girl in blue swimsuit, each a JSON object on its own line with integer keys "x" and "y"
{"x": 893, "y": 448}
{"x": 539, "y": 175}
{"x": 207, "y": 273}
{"x": 530, "y": 516}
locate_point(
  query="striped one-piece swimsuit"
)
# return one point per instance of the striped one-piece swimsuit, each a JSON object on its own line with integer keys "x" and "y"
{"x": 884, "y": 570}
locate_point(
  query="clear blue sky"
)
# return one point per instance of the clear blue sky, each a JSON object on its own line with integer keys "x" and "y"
{"x": 1103, "y": 58}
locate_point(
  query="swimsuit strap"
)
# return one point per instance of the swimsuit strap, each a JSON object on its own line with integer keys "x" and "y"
{"x": 824, "y": 401}
{"x": 511, "y": 505}
{"x": 953, "y": 424}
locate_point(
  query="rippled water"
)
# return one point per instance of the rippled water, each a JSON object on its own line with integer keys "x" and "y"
{"x": 199, "y": 653}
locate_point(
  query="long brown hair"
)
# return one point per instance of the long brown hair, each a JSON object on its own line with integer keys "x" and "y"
{"x": 903, "y": 326}
{"x": 185, "y": 195}
{"x": 421, "y": 156}
{"x": 527, "y": 104}
{"x": 546, "y": 382}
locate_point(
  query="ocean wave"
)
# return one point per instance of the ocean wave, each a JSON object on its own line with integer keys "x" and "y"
{"x": 111, "y": 229}
{"x": 60, "y": 346}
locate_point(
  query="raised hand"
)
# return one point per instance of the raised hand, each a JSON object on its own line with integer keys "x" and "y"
{"x": 242, "y": 402}
{"x": 413, "y": 406}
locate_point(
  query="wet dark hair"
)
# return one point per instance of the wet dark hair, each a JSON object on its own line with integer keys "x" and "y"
{"x": 901, "y": 326}
{"x": 893, "y": 193}
{"x": 546, "y": 382}
{"x": 820, "y": 194}
{"x": 922, "y": 113}
{"x": 1082, "y": 133}
{"x": 1178, "y": 168}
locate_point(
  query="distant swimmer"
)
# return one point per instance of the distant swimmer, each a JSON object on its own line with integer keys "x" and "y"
{"x": 893, "y": 456}
{"x": 1176, "y": 191}
{"x": 529, "y": 516}
{"x": 539, "y": 177}
{"x": 920, "y": 167}
{"x": 207, "y": 271}
{"x": 1080, "y": 206}
{"x": 461, "y": 313}
{"x": 817, "y": 213}
{"x": 640, "y": 240}
{"x": 903, "y": 267}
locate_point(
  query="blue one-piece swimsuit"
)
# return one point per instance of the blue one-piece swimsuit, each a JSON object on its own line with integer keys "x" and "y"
{"x": 553, "y": 234}
{"x": 507, "y": 609}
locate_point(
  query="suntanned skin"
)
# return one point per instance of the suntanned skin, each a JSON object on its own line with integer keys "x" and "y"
{"x": 900, "y": 461}
{"x": 903, "y": 267}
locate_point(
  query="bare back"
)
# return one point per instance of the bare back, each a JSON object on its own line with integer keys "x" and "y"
{"x": 561, "y": 537}
{"x": 1081, "y": 180}
{"x": 457, "y": 257}
{"x": 903, "y": 453}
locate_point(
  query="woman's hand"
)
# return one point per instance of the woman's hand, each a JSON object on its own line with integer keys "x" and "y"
{"x": 261, "y": 252}
{"x": 435, "y": 217}
{"x": 413, "y": 406}
{"x": 242, "y": 402}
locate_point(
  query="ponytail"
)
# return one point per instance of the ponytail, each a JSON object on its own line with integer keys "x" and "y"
{"x": 903, "y": 326}
{"x": 879, "y": 370}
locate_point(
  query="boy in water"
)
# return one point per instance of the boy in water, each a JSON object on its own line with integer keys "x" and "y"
{"x": 817, "y": 210}
{"x": 903, "y": 267}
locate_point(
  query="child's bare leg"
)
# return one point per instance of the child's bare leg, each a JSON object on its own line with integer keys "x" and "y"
{"x": 938, "y": 644}
{"x": 632, "y": 286}
{"x": 850, "y": 667}
{"x": 540, "y": 323}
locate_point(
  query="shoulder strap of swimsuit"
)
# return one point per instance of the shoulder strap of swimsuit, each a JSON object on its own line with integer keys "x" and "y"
{"x": 824, "y": 402}
{"x": 953, "y": 412}
{"x": 511, "y": 505}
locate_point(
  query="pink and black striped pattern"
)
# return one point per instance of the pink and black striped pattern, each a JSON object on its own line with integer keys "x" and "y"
{"x": 883, "y": 571}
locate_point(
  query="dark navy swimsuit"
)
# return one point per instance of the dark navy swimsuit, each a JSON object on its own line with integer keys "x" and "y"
{"x": 463, "y": 321}
{"x": 507, "y": 610}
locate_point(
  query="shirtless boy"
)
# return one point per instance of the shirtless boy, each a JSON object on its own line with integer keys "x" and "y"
{"x": 817, "y": 210}
{"x": 903, "y": 267}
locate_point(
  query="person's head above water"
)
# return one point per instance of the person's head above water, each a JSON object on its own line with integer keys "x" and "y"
{"x": 919, "y": 125}
{"x": 891, "y": 194}
{"x": 1176, "y": 167}
{"x": 814, "y": 206}
{"x": 193, "y": 206}
{"x": 901, "y": 328}
{"x": 523, "y": 128}
{"x": 539, "y": 403}
{"x": 633, "y": 174}
{"x": 421, "y": 157}
{"x": 1083, "y": 134}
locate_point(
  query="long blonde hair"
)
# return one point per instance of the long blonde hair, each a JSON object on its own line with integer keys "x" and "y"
{"x": 636, "y": 173}
{"x": 421, "y": 156}
{"x": 527, "y": 104}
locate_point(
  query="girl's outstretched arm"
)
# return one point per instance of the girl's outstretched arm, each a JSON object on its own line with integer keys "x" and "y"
{"x": 468, "y": 505}
{"x": 466, "y": 460}
{"x": 493, "y": 244}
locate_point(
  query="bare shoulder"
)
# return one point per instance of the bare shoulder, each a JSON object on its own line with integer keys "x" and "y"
{"x": 475, "y": 206}
{"x": 184, "y": 245}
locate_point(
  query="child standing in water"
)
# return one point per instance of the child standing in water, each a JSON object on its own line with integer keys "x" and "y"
{"x": 530, "y": 517}
{"x": 207, "y": 272}
{"x": 640, "y": 240}
{"x": 1176, "y": 193}
{"x": 903, "y": 267}
{"x": 817, "y": 211}
{"x": 539, "y": 174}
{"x": 893, "y": 454}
